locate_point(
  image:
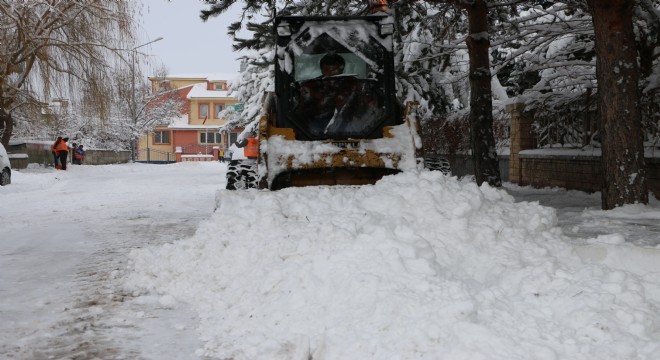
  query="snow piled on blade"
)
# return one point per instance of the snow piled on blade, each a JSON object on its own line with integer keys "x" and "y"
{"x": 417, "y": 266}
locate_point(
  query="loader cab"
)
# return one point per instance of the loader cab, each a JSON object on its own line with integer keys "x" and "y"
{"x": 354, "y": 98}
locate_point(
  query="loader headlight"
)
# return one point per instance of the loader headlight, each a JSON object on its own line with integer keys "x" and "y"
{"x": 386, "y": 29}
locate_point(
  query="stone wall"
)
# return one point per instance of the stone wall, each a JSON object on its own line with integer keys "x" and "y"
{"x": 39, "y": 153}
{"x": 104, "y": 157}
{"x": 18, "y": 161}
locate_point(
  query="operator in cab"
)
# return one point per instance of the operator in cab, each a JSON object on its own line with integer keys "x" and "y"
{"x": 332, "y": 65}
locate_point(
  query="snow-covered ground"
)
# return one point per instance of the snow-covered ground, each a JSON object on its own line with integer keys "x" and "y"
{"x": 131, "y": 261}
{"x": 64, "y": 239}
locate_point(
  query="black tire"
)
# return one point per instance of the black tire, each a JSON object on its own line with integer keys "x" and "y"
{"x": 437, "y": 163}
{"x": 241, "y": 175}
{"x": 5, "y": 177}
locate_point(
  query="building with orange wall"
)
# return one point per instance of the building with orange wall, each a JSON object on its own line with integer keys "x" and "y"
{"x": 194, "y": 134}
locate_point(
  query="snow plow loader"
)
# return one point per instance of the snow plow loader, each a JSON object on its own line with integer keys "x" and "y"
{"x": 333, "y": 118}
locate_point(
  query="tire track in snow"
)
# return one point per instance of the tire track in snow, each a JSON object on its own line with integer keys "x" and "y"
{"x": 101, "y": 324}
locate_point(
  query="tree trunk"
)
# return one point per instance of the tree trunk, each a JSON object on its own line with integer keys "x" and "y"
{"x": 6, "y": 127}
{"x": 617, "y": 73}
{"x": 482, "y": 140}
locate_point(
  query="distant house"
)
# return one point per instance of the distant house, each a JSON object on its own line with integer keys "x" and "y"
{"x": 194, "y": 134}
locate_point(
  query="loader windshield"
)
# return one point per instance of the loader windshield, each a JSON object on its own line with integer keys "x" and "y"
{"x": 308, "y": 66}
{"x": 341, "y": 82}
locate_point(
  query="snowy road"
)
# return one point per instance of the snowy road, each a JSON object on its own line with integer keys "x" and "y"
{"x": 64, "y": 237}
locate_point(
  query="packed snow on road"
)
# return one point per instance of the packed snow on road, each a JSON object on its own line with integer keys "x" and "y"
{"x": 132, "y": 261}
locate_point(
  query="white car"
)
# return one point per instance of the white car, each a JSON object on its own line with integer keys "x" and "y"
{"x": 5, "y": 167}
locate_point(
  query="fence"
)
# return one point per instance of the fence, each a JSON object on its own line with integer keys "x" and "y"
{"x": 153, "y": 156}
{"x": 197, "y": 149}
{"x": 570, "y": 169}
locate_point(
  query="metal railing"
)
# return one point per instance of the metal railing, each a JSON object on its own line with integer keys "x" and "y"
{"x": 153, "y": 156}
{"x": 197, "y": 149}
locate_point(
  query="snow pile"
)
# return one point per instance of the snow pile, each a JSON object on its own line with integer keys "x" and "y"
{"x": 418, "y": 266}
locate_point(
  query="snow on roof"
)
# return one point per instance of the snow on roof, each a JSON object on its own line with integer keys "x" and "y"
{"x": 209, "y": 77}
{"x": 194, "y": 127}
{"x": 181, "y": 123}
{"x": 649, "y": 152}
{"x": 200, "y": 91}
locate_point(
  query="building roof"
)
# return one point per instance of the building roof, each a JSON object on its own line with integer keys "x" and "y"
{"x": 200, "y": 91}
{"x": 215, "y": 128}
{"x": 210, "y": 77}
{"x": 181, "y": 123}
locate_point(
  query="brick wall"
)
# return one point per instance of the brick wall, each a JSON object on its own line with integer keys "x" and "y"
{"x": 522, "y": 138}
{"x": 576, "y": 172}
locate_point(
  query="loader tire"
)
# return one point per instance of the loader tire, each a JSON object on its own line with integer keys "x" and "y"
{"x": 438, "y": 163}
{"x": 241, "y": 175}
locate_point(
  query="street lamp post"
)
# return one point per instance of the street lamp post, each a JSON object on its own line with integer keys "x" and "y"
{"x": 133, "y": 100}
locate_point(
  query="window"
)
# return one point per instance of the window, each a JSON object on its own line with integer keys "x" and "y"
{"x": 232, "y": 138}
{"x": 161, "y": 137}
{"x": 203, "y": 111}
{"x": 219, "y": 86}
{"x": 209, "y": 138}
{"x": 218, "y": 109}
{"x": 308, "y": 66}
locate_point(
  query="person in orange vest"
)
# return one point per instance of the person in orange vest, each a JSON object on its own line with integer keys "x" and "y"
{"x": 251, "y": 150}
{"x": 62, "y": 150}
{"x": 250, "y": 146}
{"x": 56, "y": 157}
{"x": 78, "y": 155}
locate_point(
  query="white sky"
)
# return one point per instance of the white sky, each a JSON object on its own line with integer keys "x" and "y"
{"x": 178, "y": 22}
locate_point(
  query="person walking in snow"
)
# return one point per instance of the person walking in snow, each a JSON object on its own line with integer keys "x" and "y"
{"x": 62, "y": 150}
{"x": 56, "y": 157}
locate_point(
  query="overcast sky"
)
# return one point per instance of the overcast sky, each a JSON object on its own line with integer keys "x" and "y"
{"x": 189, "y": 46}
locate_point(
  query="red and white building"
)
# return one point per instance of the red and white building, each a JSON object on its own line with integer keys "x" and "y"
{"x": 194, "y": 135}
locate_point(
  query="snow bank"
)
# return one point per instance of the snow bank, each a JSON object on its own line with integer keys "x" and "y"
{"x": 418, "y": 266}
